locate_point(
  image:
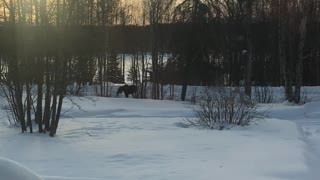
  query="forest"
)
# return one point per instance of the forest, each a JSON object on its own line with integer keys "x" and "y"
{"x": 47, "y": 45}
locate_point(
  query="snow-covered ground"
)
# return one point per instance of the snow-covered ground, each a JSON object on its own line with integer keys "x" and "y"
{"x": 307, "y": 118}
{"x": 13, "y": 170}
{"x": 128, "y": 139}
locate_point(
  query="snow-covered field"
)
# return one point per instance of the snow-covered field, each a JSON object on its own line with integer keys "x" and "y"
{"x": 130, "y": 139}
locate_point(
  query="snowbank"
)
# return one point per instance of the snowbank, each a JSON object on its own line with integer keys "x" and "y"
{"x": 10, "y": 170}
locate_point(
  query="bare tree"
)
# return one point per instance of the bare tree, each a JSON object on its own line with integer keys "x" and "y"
{"x": 157, "y": 10}
{"x": 304, "y": 10}
{"x": 248, "y": 22}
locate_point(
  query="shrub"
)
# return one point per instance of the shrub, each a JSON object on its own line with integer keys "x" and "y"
{"x": 304, "y": 99}
{"x": 263, "y": 94}
{"x": 220, "y": 108}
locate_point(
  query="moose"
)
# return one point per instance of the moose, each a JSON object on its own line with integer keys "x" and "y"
{"x": 132, "y": 89}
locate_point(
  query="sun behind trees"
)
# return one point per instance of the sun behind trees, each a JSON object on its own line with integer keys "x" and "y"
{"x": 47, "y": 45}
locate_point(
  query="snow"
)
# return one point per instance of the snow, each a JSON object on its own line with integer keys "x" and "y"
{"x": 307, "y": 118}
{"x": 15, "y": 171}
{"x": 122, "y": 139}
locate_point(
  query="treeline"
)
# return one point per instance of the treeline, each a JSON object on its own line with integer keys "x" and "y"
{"x": 47, "y": 45}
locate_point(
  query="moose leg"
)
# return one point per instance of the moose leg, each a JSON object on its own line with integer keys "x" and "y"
{"x": 127, "y": 95}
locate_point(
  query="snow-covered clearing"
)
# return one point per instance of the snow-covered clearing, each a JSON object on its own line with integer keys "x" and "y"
{"x": 128, "y": 139}
{"x": 307, "y": 118}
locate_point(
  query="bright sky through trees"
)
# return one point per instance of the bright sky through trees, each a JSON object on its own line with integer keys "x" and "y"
{"x": 133, "y": 8}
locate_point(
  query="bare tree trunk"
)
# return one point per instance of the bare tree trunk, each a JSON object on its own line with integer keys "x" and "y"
{"x": 1, "y": 72}
{"x": 58, "y": 114}
{"x": 154, "y": 22}
{"x": 318, "y": 67}
{"x": 250, "y": 48}
{"x": 55, "y": 124}
{"x": 23, "y": 11}
{"x": 29, "y": 101}
{"x": 55, "y": 93}
{"x": 100, "y": 64}
{"x": 171, "y": 91}
{"x": 184, "y": 91}
{"x": 53, "y": 112}
{"x": 4, "y": 14}
{"x": 123, "y": 67}
{"x": 21, "y": 113}
{"x": 105, "y": 88}
{"x": 249, "y": 68}
{"x": 143, "y": 70}
{"x": 299, "y": 66}
{"x": 19, "y": 10}
{"x": 43, "y": 12}
{"x": 59, "y": 90}
{"x": 12, "y": 12}
{"x": 91, "y": 13}
{"x": 58, "y": 16}
{"x": 46, "y": 113}
{"x": 36, "y": 7}
{"x": 155, "y": 86}
{"x": 284, "y": 64}
{"x": 38, "y": 115}
{"x": 160, "y": 81}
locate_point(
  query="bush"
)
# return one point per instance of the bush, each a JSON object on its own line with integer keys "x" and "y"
{"x": 304, "y": 99}
{"x": 220, "y": 108}
{"x": 263, "y": 94}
